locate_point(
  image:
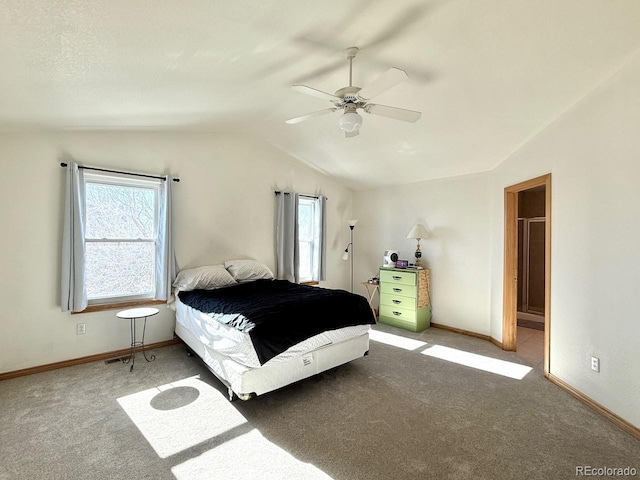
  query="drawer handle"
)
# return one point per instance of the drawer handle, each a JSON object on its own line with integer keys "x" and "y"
{"x": 397, "y": 313}
{"x": 397, "y": 302}
{"x": 397, "y": 289}
{"x": 395, "y": 277}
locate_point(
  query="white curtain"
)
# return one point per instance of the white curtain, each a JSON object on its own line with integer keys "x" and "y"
{"x": 323, "y": 238}
{"x": 73, "y": 292}
{"x": 165, "y": 256}
{"x": 287, "y": 254}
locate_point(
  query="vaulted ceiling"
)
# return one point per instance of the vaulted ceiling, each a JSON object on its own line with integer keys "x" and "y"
{"x": 486, "y": 74}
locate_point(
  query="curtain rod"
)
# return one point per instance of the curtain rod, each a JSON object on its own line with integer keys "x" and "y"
{"x": 278, "y": 192}
{"x": 123, "y": 173}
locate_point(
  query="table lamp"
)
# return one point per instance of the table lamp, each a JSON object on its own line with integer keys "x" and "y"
{"x": 417, "y": 232}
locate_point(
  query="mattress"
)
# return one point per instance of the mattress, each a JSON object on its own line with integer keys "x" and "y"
{"x": 238, "y": 346}
{"x": 278, "y": 314}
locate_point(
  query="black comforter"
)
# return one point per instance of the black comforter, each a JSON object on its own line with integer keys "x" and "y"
{"x": 277, "y": 314}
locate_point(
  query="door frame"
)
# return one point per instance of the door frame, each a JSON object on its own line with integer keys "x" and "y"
{"x": 510, "y": 278}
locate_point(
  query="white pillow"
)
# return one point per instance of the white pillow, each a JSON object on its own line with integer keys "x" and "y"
{"x": 248, "y": 270}
{"x": 208, "y": 277}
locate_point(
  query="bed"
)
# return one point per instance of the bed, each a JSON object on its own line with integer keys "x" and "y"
{"x": 257, "y": 334}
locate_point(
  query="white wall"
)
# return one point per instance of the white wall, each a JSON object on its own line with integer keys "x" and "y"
{"x": 593, "y": 154}
{"x": 223, "y": 209}
{"x": 456, "y": 211}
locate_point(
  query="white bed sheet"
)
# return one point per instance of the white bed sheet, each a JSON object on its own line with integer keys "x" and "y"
{"x": 237, "y": 345}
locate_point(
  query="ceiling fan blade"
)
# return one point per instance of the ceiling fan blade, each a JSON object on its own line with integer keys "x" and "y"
{"x": 321, "y": 71}
{"x": 384, "y": 82}
{"x": 399, "y": 25}
{"x": 393, "y": 112}
{"x": 302, "y": 118}
{"x": 351, "y": 134}
{"x": 314, "y": 93}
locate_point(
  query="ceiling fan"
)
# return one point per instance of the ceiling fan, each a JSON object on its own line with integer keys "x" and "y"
{"x": 350, "y": 99}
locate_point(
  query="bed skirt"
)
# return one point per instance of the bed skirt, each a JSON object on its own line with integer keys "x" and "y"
{"x": 246, "y": 381}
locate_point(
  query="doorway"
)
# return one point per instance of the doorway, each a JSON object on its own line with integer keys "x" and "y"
{"x": 527, "y": 260}
{"x": 531, "y": 229}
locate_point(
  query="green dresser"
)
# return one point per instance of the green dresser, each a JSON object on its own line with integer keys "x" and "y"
{"x": 404, "y": 298}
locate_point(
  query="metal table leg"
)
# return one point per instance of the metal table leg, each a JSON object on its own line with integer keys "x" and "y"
{"x": 135, "y": 344}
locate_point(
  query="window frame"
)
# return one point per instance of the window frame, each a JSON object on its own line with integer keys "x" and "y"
{"x": 114, "y": 179}
{"x": 316, "y": 228}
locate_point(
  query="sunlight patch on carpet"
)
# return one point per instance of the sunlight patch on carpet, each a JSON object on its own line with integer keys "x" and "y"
{"x": 247, "y": 456}
{"x": 170, "y": 431}
{"x": 480, "y": 362}
{"x": 395, "y": 340}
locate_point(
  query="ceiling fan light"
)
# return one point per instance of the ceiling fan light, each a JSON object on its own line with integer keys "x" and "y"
{"x": 350, "y": 122}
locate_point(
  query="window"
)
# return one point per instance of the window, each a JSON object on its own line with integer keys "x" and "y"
{"x": 121, "y": 225}
{"x": 309, "y": 233}
{"x": 300, "y": 237}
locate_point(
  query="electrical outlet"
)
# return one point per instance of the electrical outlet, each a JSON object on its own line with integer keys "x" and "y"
{"x": 80, "y": 329}
{"x": 595, "y": 364}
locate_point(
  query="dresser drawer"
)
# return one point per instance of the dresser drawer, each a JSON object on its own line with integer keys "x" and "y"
{"x": 397, "y": 278}
{"x": 393, "y": 300}
{"x": 403, "y": 314}
{"x": 403, "y": 290}
{"x": 398, "y": 317}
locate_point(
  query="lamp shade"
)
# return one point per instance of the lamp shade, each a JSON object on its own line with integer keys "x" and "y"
{"x": 418, "y": 231}
{"x": 352, "y": 223}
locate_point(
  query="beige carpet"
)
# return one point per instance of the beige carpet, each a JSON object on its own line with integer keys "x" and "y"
{"x": 398, "y": 413}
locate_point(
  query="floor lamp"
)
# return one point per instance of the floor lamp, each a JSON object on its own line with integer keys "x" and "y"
{"x": 345, "y": 255}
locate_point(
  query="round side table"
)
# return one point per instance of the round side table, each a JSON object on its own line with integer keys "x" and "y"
{"x": 132, "y": 315}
